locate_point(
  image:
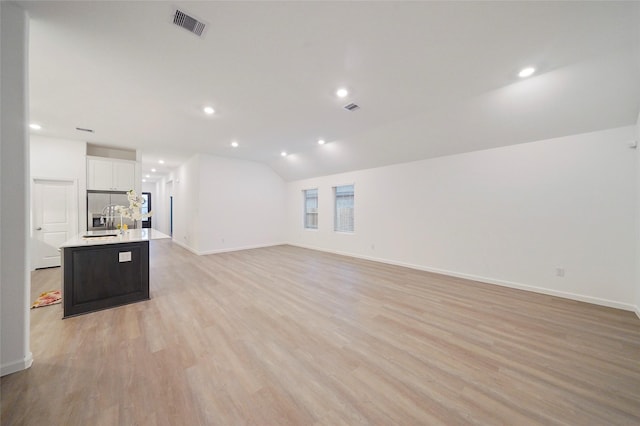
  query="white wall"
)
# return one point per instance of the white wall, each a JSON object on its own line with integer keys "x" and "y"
{"x": 160, "y": 203}
{"x": 151, "y": 187}
{"x": 15, "y": 279}
{"x": 232, "y": 205}
{"x": 62, "y": 159}
{"x": 186, "y": 204}
{"x": 509, "y": 216}
{"x": 242, "y": 205}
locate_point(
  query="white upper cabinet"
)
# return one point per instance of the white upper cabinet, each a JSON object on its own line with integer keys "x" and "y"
{"x": 110, "y": 175}
{"x": 124, "y": 176}
{"x": 99, "y": 174}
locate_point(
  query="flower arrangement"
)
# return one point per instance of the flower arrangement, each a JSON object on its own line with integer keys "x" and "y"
{"x": 133, "y": 211}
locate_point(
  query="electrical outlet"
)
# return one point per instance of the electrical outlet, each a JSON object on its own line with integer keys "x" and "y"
{"x": 560, "y": 272}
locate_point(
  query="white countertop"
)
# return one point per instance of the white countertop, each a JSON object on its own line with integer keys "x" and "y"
{"x": 107, "y": 237}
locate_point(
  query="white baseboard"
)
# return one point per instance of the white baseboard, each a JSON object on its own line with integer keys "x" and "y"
{"x": 226, "y": 250}
{"x": 15, "y": 366}
{"x": 519, "y": 286}
{"x": 184, "y": 246}
{"x": 503, "y": 283}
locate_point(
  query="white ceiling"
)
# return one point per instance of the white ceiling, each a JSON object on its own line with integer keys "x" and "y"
{"x": 432, "y": 78}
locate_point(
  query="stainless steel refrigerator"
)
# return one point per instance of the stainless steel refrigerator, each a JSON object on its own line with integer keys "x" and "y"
{"x": 101, "y": 212}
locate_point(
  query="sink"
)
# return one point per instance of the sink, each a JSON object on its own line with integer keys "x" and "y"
{"x": 100, "y": 236}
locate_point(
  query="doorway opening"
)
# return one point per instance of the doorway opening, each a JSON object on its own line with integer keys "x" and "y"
{"x": 146, "y": 208}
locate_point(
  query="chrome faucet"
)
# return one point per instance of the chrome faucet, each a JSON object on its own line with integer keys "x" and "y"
{"x": 108, "y": 216}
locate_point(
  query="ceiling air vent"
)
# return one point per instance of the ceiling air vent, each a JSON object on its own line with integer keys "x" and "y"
{"x": 351, "y": 107}
{"x": 189, "y": 23}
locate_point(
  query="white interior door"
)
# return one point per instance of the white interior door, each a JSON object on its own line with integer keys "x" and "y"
{"x": 54, "y": 220}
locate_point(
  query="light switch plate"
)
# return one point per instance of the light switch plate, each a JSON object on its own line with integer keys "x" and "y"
{"x": 124, "y": 256}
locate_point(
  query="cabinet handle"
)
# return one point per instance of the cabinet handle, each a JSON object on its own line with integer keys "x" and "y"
{"x": 39, "y": 228}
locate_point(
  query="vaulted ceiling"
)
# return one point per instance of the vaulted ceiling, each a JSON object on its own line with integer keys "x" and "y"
{"x": 431, "y": 78}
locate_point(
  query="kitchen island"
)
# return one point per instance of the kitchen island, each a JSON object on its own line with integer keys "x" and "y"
{"x": 104, "y": 269}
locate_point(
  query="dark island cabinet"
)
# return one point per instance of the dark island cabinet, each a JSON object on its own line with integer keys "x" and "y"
{"x": 103, "y": 276}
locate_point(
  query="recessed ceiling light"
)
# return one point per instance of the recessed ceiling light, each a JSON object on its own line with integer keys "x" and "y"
{"x": 161, "y": 161}
{"x": 283, "y": 153}
{"x": 209, "y": 110}
{"x": 234, "y": 144}
{"x": 147, "y": 175}
{"x": 153, "y": 170}
{"x": 321, "y": 142}
{"x": 342, "y": 93}
{"x": 526, "y": 72}
{"x": 35, "y": 126}
{"x": 144, "y": 180}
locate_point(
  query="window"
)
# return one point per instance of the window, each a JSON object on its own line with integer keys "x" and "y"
{"x": 343, "y": 214}
{"x": 311, "y": 209}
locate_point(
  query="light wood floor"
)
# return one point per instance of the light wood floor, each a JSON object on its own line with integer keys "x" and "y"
{"x": 285, "y": 335}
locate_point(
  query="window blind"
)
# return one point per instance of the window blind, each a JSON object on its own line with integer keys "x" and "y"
{"x": 343, "y": 214}
{"x": 311, "y": 209}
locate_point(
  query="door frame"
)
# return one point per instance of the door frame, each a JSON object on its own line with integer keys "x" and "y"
{"x": 75, "y": 213}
